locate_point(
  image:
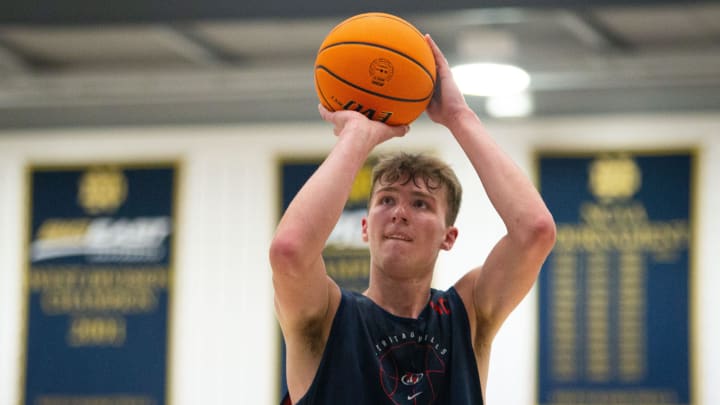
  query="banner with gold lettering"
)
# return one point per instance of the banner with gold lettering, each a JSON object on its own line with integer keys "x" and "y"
{"x": 99, "y": 267}
{"x": 614, "y": 310}
{"x": 346, "y": 256}
{"x": 347, "y": 259}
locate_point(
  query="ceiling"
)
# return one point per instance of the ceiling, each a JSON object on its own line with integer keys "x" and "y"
{"x": 614, "y": 58}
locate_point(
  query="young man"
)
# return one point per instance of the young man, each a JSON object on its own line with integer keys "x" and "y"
{"x": 401, "y": 342}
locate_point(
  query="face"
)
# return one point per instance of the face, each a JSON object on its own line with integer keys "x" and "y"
{"x": 405, "y": 227}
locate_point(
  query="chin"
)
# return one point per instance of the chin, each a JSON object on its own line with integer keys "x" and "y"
{"x": 397, "y": 263}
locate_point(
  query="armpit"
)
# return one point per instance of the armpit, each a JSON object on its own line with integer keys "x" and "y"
{"x": 313, "y": 337}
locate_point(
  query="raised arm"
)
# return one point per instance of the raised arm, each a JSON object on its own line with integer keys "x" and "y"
{"x": 303, "y": 292}
{"x": 497, "y": 287}
{"x": 306, "y": 299}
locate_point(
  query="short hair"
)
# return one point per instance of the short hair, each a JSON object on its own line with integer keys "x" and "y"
{"x": 434, "y": 173}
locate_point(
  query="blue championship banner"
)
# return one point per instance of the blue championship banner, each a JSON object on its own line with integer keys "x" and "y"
{"x": 98, "y": 275}
{"x": 614, "y": 321}
{"x": 347, "y": 259}
{"x": 346, "y": 256}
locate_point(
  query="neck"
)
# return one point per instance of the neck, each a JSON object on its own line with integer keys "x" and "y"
{"x": 401, "y": 297}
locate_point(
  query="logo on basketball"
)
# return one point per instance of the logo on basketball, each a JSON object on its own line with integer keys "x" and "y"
{"x": 381, "y": 71}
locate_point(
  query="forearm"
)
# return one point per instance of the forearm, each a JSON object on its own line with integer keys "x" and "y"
{"x": 313, "y": 213}
{"x": 510, "y": 191}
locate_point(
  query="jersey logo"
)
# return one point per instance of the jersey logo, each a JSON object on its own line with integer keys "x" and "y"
{"x": 413, "y": 396}
{"x": 410, "y": 369}
{"x": 411, "y": 378}
{"x": 440, "y": 306}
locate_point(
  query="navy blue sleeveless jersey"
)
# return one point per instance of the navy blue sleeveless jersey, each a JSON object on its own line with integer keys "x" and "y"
{"x": 373, "y": 357}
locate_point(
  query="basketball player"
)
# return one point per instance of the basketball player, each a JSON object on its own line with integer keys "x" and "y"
{"x": 401, "y": 342}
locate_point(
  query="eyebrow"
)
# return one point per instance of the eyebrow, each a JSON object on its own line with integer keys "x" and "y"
{"x": 414, "y": 193}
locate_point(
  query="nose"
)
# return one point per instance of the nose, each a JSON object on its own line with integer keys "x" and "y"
{"x": 399, "y": 214}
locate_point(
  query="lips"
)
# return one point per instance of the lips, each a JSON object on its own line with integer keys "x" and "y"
{"x": 398, "y": 236}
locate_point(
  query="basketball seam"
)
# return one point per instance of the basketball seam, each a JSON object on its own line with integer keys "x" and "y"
{"x": 387, "y": 48}
{"x": 322, "y": 94}
{"x": 406, "y": 100}
{"x": 380, "y": 15}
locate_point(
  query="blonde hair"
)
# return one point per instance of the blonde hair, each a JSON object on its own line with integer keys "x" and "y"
{"x": 434, "y": 173}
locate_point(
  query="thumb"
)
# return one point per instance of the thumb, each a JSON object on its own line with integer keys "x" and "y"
{"x": 324, "y": 113}
{"x": 401, "y": 130}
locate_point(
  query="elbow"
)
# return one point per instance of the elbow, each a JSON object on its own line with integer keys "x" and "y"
{"x": 539, "y": 234}
{"x": 285, "y": 252}
{"x": 545, "y": 232}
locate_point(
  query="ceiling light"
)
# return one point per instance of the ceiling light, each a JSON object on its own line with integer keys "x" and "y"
{"x": 490, "y": 79}
{"x": 510, "y": 105}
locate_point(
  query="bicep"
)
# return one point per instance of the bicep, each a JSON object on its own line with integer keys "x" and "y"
{"x": 505, "y": 278}
{"x": 303, "y": 296}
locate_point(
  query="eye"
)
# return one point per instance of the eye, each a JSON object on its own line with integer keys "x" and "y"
{"x": 386, "y": 200}
{"x": 420, "y": 204}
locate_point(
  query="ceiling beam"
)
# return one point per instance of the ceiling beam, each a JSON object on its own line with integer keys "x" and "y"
{"x": 149, "y": 11}
{"x": 593, "y": 32}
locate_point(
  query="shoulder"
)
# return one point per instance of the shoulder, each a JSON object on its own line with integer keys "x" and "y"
{"x": 449, "y": 302}
{"x": 464, "y": 290}
{"x": 350, "y": 304}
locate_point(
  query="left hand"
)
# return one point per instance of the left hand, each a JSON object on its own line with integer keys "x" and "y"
{"x": 447, "y": 101}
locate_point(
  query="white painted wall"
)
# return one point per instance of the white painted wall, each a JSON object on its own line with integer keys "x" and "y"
{"x": 224, "y": 337}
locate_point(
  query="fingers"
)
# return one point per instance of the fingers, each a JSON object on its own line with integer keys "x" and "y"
{"x": 440, "y": 59}
{"x": 341, "y": 118}
{"x": 433, "y": 46}
{"x": 324, "y": 113}
{"x": 400, "y": 130}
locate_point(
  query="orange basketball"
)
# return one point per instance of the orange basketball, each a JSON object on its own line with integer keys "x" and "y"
{"x": 377, "y": 64}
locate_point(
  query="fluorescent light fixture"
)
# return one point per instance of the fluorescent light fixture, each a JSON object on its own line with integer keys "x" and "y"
{"x": 490, "y": 79}
{"x": 510, "y": 105}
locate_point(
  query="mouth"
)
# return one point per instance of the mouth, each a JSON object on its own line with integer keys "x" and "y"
{"x": 398, "y": 236}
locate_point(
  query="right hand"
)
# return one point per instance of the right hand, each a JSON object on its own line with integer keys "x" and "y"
{"x": 353, "y": 123}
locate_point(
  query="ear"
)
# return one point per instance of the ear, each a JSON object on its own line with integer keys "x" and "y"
{"x": 451, "y": 235}
{"x": 364, "y": 223}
